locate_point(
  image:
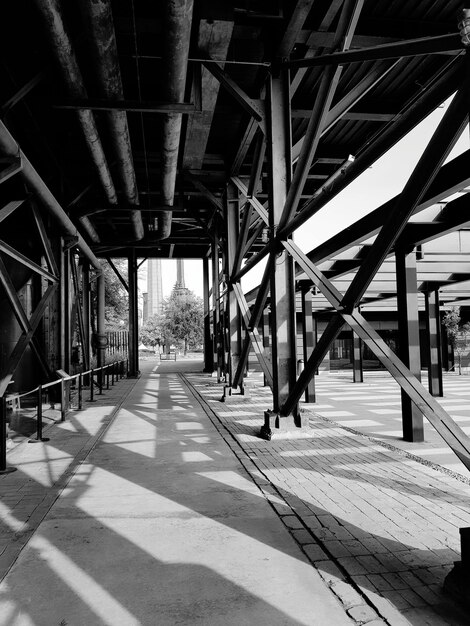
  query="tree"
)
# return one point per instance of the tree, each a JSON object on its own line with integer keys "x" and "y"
{"x": 151, "y": 333}
{"x": 457, "y": 333}
{"x": 451, "y": 321}
{"x": 116, "y": 297}
{"x": 183, "y": 319}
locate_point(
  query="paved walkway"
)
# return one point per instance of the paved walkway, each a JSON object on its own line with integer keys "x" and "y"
{"x": 159, "y": 504}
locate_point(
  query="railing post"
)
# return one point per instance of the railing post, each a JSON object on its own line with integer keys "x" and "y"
{"x": 3, "y": 438}
{"x": 62, "y": 400}
{"x": 91, "y": 385}
{"x": 80, "y": 391}
{"x": 39, "y": 436}
{"x": 100, "y": 381}
{"x": 107, "y": 376}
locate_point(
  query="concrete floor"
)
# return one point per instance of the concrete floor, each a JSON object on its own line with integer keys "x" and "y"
{"x": 146, "y": 516}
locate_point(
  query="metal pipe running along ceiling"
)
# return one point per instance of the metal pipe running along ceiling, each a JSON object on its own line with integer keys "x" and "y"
{"x": 178, "y": 28}
{"x": 73, "y": 79}
{"x": 100, "y": 26}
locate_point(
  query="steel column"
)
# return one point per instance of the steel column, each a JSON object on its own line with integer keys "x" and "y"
{"x": 216, "y": 307}
{"x": 86, "y": 313}
{"x": 408, "y": 327}
{"x": 433, "y": 328}
{"x": 266, "y": 339}
{"x": 232, "y": 217}
{"x": 281, "y": 264}
{"x": 358, "y": 374}
{"x": 133, "y": 371}
{"x": 65, "y": 308}
{"x": 100, "y": 323}
{"x": 208, "y": 353}
{"x": 309, "y": 339}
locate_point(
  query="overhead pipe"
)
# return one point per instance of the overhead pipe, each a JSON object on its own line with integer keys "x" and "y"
{"x": 100, "y": 27}
{"x": 10, "y": 148}
{"x": 176, "y": 51}
{"x": 73, "y": 79}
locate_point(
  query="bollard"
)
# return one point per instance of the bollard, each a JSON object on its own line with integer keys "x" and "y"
{"x": 80, "y": 391}
{"x": 300, "y": 367}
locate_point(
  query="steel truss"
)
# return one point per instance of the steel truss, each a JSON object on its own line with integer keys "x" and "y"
{"x": 246, "y": 217}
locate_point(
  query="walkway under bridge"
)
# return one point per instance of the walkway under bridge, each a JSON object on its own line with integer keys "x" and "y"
{"x": 214, "y": 131}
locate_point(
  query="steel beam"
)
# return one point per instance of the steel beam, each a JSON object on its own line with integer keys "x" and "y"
{"x": 411, "y": 47}
{"x": 441, "y": 143}
{"x": 15, "y": 357}
{"x": 435, "y": 93}
{"x": 435, "y": 414}
{"x": 253, "y": 107}
{"x": 253, "y": 323}
{"x": 254, "y": 337}
{"x": 326, "y": 91}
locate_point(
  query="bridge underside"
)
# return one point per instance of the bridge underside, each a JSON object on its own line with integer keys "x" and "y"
{"x": 214, "y": 131}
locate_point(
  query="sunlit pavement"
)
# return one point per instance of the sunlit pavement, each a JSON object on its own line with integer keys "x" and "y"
{"x": 372, "y": 512}
{"x": 137, "y": 511}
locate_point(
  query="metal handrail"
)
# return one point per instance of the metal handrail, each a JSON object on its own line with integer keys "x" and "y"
{"x": 107, "y": 369}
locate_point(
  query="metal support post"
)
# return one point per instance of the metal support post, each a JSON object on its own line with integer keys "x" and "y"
{"x": 133, "y": 317}
{"x": 80, "y": 392}
{"x": 281, "y": 263}
{"x": 65, "y": 309}
{"x": 86, "y": 348}
{"x": 358, "y": 373}
{"x": 208, "y": 351}
{"x": 408, "y": 328}
{"x": 266, "y": 340}
{"x": 100, "y": 326}
{"x": 232, "y": 217}
{"x": 216, "y": 307}
{"x": 433, "y": 329}
{"x": 309, "y": 339}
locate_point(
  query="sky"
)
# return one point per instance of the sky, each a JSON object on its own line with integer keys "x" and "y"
{"x": 385, "y": 179}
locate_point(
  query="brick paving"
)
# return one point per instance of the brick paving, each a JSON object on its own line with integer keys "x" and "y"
{"x": 380, "y": 526}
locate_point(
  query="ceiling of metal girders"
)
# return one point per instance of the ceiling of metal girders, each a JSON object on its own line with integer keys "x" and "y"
{"x": 84, "y": 84}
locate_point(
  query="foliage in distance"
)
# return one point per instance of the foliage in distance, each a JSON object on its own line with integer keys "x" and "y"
{"x": 180, "y": 323}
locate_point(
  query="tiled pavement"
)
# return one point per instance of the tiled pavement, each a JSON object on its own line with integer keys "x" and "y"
{"x": 373, "y": 519}
{"x": 380, "y": 527}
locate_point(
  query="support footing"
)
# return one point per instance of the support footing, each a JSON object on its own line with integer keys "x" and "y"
{"x": 8, "y": 470}
{"x": 284, "y": 427}
{"x": 457, "y": 582}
